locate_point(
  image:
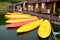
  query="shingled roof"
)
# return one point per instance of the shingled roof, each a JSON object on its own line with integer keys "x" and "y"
{"x": 48, "y": 0}
{"x": 35, "y": 1}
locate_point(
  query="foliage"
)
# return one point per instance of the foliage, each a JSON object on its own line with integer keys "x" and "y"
{"x": 2, "y": 18}
{"x": 3, "y": 6}
{"x": 39, "y": 10}
{"x": 13, "y": 1}
{"x": 59, "y": 11}
{"x": 3, "y": 11}
{"x": 56, "y": 10}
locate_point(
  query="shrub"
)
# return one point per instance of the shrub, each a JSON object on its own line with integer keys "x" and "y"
{"x": 15, "y": 1}
{"x": 39, "y": 10}
{"x": 12, "y": 1}
{"x": 59, "y": 11}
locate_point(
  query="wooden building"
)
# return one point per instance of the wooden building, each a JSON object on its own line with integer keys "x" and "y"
{"x": 45, "y": 6}
{"x": 49, "y": 6}
{"x": 16, "y": 7}
{"x": 30, "y": 5}
{"x": 19, "y": 6}
{"x": 11, "y": 8}
{"x": 42, "y": 6}
{"x": 35, "y": 5}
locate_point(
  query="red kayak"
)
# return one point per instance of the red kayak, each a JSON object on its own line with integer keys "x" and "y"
{"x": 19, "y": 24}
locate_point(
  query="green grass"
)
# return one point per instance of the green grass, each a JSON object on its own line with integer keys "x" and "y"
{"x": 3, "y": 11}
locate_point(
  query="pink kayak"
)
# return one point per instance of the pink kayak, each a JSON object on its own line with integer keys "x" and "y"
{"x": 16, "y": 18}
{"x": 19, "y": 24}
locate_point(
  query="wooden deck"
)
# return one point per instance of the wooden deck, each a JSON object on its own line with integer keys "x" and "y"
{"x": 51, "y": 18}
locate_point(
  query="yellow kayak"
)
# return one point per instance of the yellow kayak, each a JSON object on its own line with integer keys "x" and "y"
{"x": 45, "y": 29}
{"x": 19, "y": 20}
{"x": 29, "y": 26}
{"x": 17, "y": 16}
{"x": 25, "y": 17}
{"x": 33, "y": 17}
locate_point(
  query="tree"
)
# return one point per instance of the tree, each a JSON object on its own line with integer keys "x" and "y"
{"x": 13, "y": 1}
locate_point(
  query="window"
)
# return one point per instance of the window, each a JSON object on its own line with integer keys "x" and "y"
{"x": 43, "y": 4}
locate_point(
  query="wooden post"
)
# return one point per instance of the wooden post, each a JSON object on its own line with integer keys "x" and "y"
{"x": 24, "y": 6}
{"x": 43, "y": 7}
{"x": 36, "y": 7}
{"x": 54, "y": 7}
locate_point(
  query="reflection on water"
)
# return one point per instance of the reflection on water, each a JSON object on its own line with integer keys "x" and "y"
{"x": 11, "y": 34}
{"x": 56, "y": 27}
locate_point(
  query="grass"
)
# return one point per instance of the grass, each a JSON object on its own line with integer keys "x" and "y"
{"x": 3, "y": 6}
{"x": 3, "y": 11}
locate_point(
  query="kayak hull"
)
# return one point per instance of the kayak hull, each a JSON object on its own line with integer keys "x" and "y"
{"x": 29, "y": 26}
{"x": 19, "y": 24}
{"x": 17, "y": 16}
{"x": 33, "y": 17}
{"x": 44, "y": 30}
{"x": 19, "y": 20}
{"x": 14, "y": 13}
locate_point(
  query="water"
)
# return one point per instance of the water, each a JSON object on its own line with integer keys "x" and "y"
{"x": 11, "y": 34}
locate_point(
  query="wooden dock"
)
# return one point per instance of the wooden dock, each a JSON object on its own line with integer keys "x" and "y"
{"x": 51, "y": 18}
